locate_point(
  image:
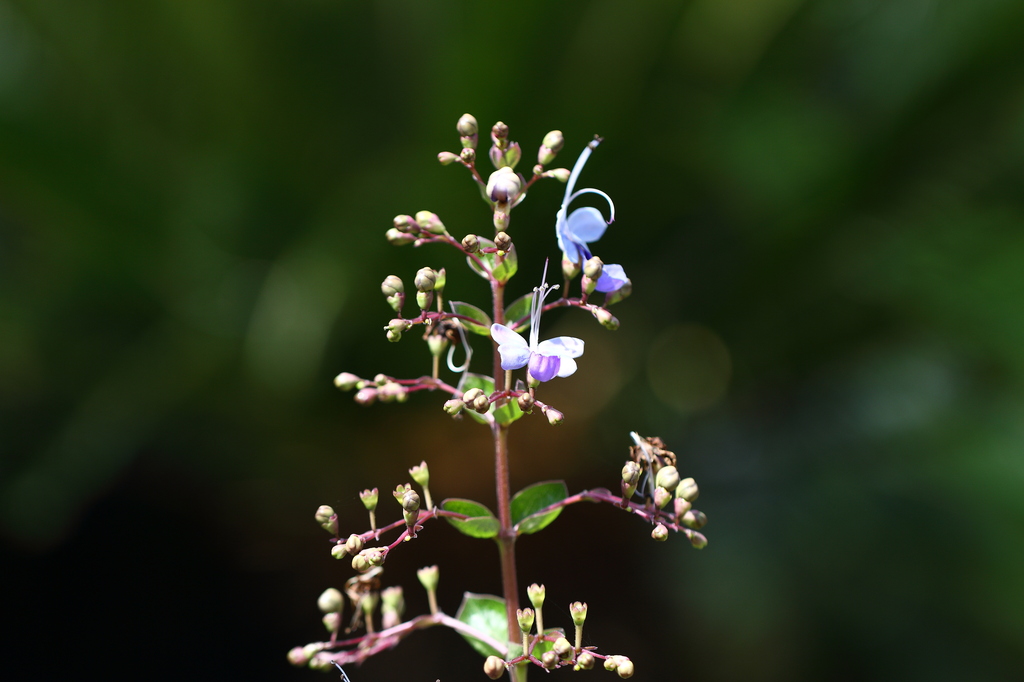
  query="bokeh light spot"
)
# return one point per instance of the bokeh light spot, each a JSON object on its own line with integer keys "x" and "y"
{"x": 688, "y": 367}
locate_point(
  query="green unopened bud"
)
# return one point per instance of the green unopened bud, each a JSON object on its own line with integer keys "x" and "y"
{"x": 429, "y": 222}
{"x": 578, "y": 611}
{"x": 323, "y": 516}
{"x": 560, "y": 174}
{"x": 453, "y": 406}
{"x": 499, "y": 131}
{"x": 569, "y": 268}
{"x": 391, "y": 285}
{"x": 585, "y": 661}
{"x": 698, "y": 541}
{"x": 392, "y": 605}
{"x": 400, "y": 491}
{"x": 366, "y": 396}
{"x": 429, "y": 576}
{"x": 512, "y": 155}
{"x": 338, "y": 551}
{"x": 405, "y": 223}
{"x": 554, "y": 416}
{"x": 297, "y": 656}
{"x": 661, "y": 497}
{"x": 421, "y": 474}
{"x": 411, "y": 501}
{"x": 500, "y": 217}
{"x": 447, "y": 158}
{"x": 393, "y": 337}
{"x": 398, "y": 325}
{"x": 397, "y": 238}
{"x": 470, "y": 243}
{"x": 425, "y": 279}
{"x": 354, "y": 544}
{"x": 424, "y": 299}
{"x": 368, "y": 603}
{"x": 593, "y": 269}
{"x": 494, "y": 667}
{"x": 680, "y": 507}
{"x": 538, "y": 170}
{"x": 613, "y": 297}
{"x": 536, "y": 594}
{"x": 526, "y": 402}
{"x": 321, "y": 662}
{"x": 624, "y": 669}
{"x": 437, "y": 344}
{"x": 503, "y": 185}
{"x": 549, "y": 659}
{"x": 687, "y": 489}
{"x": 467, "y": 125}
{"x": 330, "y": 600}
{"x": 481, "y": 404}
{"x": 360, "y": 564}
{"x": 502, "y": 241}
{"x": 694, "y": 519}
{"x": 332, "y": 621}
{"x": 369, "y": 499}
{"x": 346, "y": 381}
{"x": 525, "y": 618}
{"x": 562, "y": 648}
{"x": 552, "y": 144}
{"x": 631, "y": 473}
{"x": 312, "y": 649}
{"x": 440, "y": 280}
{"x": 660, "y": 533}
{"x": 607, "y": 320}
{"x": 374, "y": 556}
{"x": 471, "y": 395}
{"x": 468, "y": 154}
{"x": 668, "y": 478}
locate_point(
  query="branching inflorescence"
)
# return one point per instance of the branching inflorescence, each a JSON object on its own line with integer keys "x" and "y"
{"x": 649, "y": 486}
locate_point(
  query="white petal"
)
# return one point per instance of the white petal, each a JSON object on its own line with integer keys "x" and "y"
{"x": 506, "y": 337}
{"x": 567, "y": 368}
{"x": 562, "y": 346}
{"x": 587, "y": 224}
{"x": 513, "y": 356}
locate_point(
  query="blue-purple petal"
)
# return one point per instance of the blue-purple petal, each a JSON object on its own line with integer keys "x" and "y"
{"x": 544, "y": 367}
{"x": 562, "y": 346}
{"x": 513, "y": 356}
{"x": 587, "y": 224}
{"x": 613, "y": 277}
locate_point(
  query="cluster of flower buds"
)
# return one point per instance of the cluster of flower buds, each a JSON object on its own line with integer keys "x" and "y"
{"x": 621, "y": 665}
{"x": 327, "y": 519}
{"x": 381, "y": 387}
{"x": 406, "y": 229}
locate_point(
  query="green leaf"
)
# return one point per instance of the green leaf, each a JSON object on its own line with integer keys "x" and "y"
{"x": 506, "y": 414}
{"x": 481, "y": 522}
{"x": 531, "y": 499}
{"x": 517, "y": 310}
{"x": 486, "y": 613}
{"x": 503, "y": 271}
{"x": 483, "y": 326}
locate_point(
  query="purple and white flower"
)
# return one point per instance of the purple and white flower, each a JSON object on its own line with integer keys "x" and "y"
{"x": 546, "y": 359}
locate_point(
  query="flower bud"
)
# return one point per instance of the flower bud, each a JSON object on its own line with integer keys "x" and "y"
{"x": 330, "y": 600}
{"x": 631, "y": 473}
{"x": 585, "y": 661}
{"x": 440, "y": 279}
{"x": 467, "y": 125}
{"x": 509, "y": 157}
{"x": 471, "y": 395}
{"x": 538, "y": 170}
{"x": 369, "y": 499}
{"x": 391, "y": 285}
{"x": 624, "y": 668}
{"x": 405, "y": 223}
{"x": 552, "y": 144}
{"x": 393, "y": 337}
{"x": 668, "y": 478}
{"x": 698, "y": 541}
{"x": 525, "y": 617}
{"x": 613, "y": 297}
{"x": 500, "y": 217}
{"x": 554, "y": 416}
{"x": 321, "y": 662}
{"x": 569, "y": 268}
{"x": 366, "y": 396}
{"x": 470, "y": 243}
{"x": 607, "y": 320}
{"x": 593, "y": 269}
{"x": 468, "y": 154}
{"x": 694, "y": 519}
{"x": 400, "y": 491}
{"x": 398, "y": 325}
{"x": 494, "y": 667}
{"x": 346, "y": 381}
{"x": 660, "y": 533}
{"x": 374, "y": 556}
{"x": 324, "y": 514}
{"x": 578, "y": 611}
{"x": 499, "y": 131}
{"x": 503, "y": 185}
{"x": 661, "y": 497}
{"x": 562, "y": 648}
{"x": 429, "y": 576}
{"x": 397, "y": 238}
{"x": 338, "y": 551}
{"x": 453, "y": 406}
{"x": 429, "y": 222}
{"x": 560, "y": 174}
{"x": 525, "y": 401}
{"x": 331, "y": 621}
{"x": 502, "y": 241}
{"x": 437, "y": 344}
{"x": 360, "y": 564}
{"x": 447, "y": 158}
{"x": 687, "y": 489}
{"x": 536, "y": 594}
{"x": 354, "y": 544}
{"x": 424, "y": 299}
{"x": 481, "y": 403}
{"x": 420, "y": 474}
{"x": 411, "y": 501}
{"x": 297, "y": 656}
{"x": 425, "y": 279}
{"x": 681, "y": 506}
{"x": 549, "y": 659}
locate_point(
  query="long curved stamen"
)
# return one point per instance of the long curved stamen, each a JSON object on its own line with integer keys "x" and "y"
{"x": 578, "y": 168}
{"x": 591, "y": 190}
{"x": 537, "y": 306}
{"x": 465, "y": 344}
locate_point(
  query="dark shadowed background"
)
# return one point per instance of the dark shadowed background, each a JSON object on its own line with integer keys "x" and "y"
{"x": 819, "y": 204}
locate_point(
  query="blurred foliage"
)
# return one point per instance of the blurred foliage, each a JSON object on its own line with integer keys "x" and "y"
{"x": 820, "y": 205}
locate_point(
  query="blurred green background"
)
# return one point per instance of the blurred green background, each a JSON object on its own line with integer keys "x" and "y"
{"x": 820, "y": 206}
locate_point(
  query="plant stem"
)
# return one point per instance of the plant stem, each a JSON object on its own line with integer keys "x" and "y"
{"x": 506, "y": 536}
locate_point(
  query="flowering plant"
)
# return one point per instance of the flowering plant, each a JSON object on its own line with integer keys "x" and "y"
{"x": 509, "y": 637}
